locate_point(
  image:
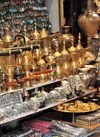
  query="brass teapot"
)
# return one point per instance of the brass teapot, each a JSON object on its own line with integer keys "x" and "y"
{"x": 7, "y": 40}
{"x": 66, "y": 65}
{"x": 81, "y": 59}
{"x": 59, "y": 68}
{"x": 33, "y": 69}
{"x": 41, "y": 65}
{"x": 74, "y": 62}
{"x": 57, "y": 53}
{"x": 50, "y": 56}
{"x": 51, "y": 65}
{"x": 43, "y": 33}
{"x": 27, "y": 40}
{"x": 7, "y": 44}
{"x": 35, "y": 34}
{"x": 45, "y": 45}
{"x": 26, "y": 62}
{"x": 36, "y": 51}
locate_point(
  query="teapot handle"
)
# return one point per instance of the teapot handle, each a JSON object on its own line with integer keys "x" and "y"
{"x": 20, "y": 36}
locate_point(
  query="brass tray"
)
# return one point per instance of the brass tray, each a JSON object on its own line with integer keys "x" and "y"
{"x": 77, "y": 111}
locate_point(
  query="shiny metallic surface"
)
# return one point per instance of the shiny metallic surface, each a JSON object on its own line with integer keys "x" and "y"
{"x": 89, "y": 21}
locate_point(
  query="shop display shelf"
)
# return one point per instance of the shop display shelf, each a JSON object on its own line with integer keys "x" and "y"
{"x": 44, "y": 84}
{"x": 35, "y": 86}
{"x": 47, "y": 107}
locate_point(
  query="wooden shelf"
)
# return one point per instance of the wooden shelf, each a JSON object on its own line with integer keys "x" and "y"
{"x": 44, "y": 84}
{"x": 57, "y": 116}
{"x": 39, "y": 110}
{"x": 84, "y": 126}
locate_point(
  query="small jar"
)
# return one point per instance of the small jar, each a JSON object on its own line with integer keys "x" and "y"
{"x": 26, "y": 106}
{"x": 35, "y": 103}
{"x": 19, "y": 108}
{"x": 8, "y": 112}
{"x": 14, "y": 112}
{"x": 62, "y": 92}
{"x": 55, "y": 96}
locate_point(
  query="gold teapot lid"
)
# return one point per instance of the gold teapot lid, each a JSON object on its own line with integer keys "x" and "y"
{"x": 64, "y": 51}
{"x": 79, "y": 46}
{"x": 7, "y": 38}
{"x": 40, "y": 61}
{"x": 72, "y": 48}
{"x": 56, "y": 54}
{"x": 26, "y": 38}
{"x": 43, "y": 32}
{"x": 35, "y": 34}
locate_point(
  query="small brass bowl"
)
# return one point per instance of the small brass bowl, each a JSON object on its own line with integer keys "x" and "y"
{"x": 91, "y": 97}
{"x": 92, "y": 103}
{"x": 60, "y": 107}
{"x": 79, "y": 108}
{"x": 95, "y": 100}
{"x": 93, "y": 106}
{"x": 98, "y": 96}
{"x": 85, "y": 99}
{"x": 71, "y": 103}
{"x": 72, "y": 108}
{"x": 86, "y": 107}
{"x": 77, "y": 102}
{"x": 65, "y": 107}
{"x": 97, "y": 93}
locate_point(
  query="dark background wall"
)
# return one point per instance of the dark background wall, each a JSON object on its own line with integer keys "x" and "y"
{"x": 72, "y": 9}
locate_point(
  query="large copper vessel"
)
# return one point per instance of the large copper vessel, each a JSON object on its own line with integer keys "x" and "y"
{"x": 89, "y": 21}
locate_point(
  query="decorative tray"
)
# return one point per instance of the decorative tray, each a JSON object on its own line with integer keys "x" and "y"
{"x": 77, "y": 107}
